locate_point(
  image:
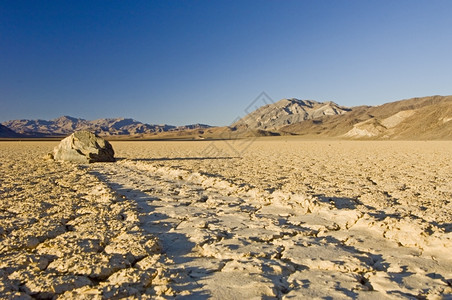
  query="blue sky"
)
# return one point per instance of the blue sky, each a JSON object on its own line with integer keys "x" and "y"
{"x": 182, "y": 62}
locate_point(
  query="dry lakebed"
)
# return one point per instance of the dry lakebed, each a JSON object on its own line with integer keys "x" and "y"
{"x": 271, "y": 218}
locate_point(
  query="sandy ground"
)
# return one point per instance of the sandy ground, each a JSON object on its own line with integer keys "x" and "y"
{"x": 270, "y": 218}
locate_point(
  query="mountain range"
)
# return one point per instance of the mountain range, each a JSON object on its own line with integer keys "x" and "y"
{"x": 65, "y": 125}
{"x": 416, "y": 118}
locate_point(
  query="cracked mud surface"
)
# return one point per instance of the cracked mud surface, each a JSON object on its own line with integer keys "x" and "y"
{"x": 287, "y": 219}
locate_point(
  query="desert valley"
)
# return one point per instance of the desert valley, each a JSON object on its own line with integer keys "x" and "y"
{"x": 298, "y": 199}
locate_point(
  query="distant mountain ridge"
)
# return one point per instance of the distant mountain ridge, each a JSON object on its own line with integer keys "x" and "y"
{"x": 289, "y": 111}
{"x": 65, "y": 125}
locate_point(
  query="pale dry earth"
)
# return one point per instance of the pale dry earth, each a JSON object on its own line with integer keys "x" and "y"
{"x": 270, "y": 218}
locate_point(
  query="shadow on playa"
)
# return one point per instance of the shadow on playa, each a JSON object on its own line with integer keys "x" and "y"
{"x": 177, "y": 158}
{"x": 175, "y": 246}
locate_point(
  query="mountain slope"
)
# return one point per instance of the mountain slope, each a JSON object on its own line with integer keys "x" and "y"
{"x": 288, "y": 111}
{"x": 5, "y": 132}
{"x": 416, "y": 118}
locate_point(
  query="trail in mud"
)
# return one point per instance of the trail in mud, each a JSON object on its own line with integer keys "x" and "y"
{"x": 226, "y": 241}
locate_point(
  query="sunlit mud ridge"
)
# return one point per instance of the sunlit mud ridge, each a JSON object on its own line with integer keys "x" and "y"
{"x": 287, "y": 219}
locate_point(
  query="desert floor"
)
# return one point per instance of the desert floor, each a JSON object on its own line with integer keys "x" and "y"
{"x": 268, "y": 218}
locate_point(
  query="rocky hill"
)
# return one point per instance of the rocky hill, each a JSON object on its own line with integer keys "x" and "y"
{"x": 289, "y": 111}
{"x": 416, "y": 118}
{"x": 105, "y": 127}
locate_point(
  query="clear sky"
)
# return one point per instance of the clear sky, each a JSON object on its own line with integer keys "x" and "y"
{"x": 182, "y": 62}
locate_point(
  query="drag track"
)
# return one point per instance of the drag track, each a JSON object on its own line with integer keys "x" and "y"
{"x": 228, "y": 241}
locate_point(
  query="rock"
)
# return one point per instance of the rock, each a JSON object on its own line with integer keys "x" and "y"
{"x": 84, "y": 147}
{"x": 48, "y": 156}
{"x": 31, "y": 242}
